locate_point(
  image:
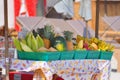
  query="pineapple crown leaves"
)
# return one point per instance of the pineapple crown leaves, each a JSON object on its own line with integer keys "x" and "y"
{"x": 34, "y": 33}
{"x": 40, "y": 31}
{"x": 48, "y": 28}
{"x": 52, "y": 35}
{"x": 68, "y": 35}
{"x": 48, "y": 31}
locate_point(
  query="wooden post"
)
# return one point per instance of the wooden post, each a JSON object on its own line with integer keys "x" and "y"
{"x": 6, "y": 39}
{"x": 97, "y": 19}
{"x": 105, "y": 6}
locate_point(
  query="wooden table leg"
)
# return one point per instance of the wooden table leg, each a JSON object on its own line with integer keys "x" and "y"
{"x": 117, "y": 57}
{"x": 39, "y": 75}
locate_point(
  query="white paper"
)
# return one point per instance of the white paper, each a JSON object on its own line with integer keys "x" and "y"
{"x": 17, "y": 77}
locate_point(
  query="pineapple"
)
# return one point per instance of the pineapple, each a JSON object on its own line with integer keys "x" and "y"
{"x": 68, "y": 36}
{"x": 47, "y": 33}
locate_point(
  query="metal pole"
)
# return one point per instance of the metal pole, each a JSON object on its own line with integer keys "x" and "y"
{"x": 86, "y": 22}
{"x": 6, "y": 39}
{"x": 97, "y": 19}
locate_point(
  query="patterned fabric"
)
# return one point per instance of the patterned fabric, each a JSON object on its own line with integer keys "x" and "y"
{"x": 80, "y": 69}
{"x": 67, "y": 69}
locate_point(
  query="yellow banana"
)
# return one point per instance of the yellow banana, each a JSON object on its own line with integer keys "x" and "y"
{"x": 79, "y": 38}
{"x": 110, "y": 47}
{"x": 94, "y": 46}
{"x": 80, "y": 44}
{"x": 23, "y": 41}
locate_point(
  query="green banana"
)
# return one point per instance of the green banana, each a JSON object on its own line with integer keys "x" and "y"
{"x": 25, "y": 47}
{"x": 17, "y": 43}
{"x": 39, "y": 41}
{"x": 29, "y": 40}
{"x": 34, "y": 46}
{"x": 26, "y": 37}
{"x": 23, "y": 41}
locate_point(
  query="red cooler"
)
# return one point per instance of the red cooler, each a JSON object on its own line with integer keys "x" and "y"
{"x": 21, "y": 75}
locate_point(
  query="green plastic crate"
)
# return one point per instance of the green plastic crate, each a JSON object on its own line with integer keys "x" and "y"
{"x": 80, "y": 54}
{"x": 92, "y": 54}
{"x": 41, "y": 56}
{"x": 66, "y": 55}
{"x": 107, "y": 55}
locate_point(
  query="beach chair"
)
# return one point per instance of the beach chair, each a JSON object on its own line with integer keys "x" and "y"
{"x": 59, "y": 25}
{"x": 114, "y": 24}
{"x": 80, "y": 28}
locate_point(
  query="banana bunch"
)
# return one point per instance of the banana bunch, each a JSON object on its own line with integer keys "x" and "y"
{"x": 94, "y": 40}
{"x": 17, "y": 44}
{"x": 79, "y": 42}
{"x": 92, "y": 44}
{"x": 102, "y": 46}
{"x": 29, "y": 43}
{"x": 110, "y": 47}
{"x": 79, "y": 45}
{"x": 105, "y": 46}
{"x": 79, "y": 38}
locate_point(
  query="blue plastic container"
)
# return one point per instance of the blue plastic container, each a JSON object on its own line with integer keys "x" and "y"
{"x": 66, "y": 55}
{"x": 80, "y": 54}
{"x": 107, "y": 55}
{"x": 92, "y": 54}
{"x": 39, "y": 56}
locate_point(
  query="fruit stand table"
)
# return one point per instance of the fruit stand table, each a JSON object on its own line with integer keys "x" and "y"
{"x": 67, "y": 69}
